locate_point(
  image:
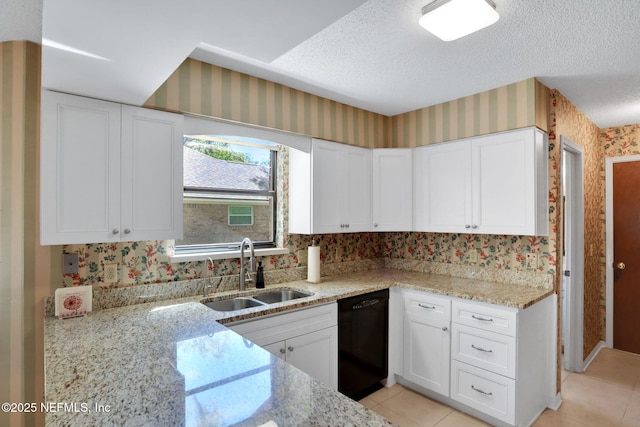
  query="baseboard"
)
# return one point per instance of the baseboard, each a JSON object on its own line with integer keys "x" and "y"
{"x": 556, "y": 402}
{"x": 593, "y": 355}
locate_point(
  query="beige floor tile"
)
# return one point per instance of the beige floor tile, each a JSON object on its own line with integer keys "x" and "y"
{"x": 458, "y": 419}
{"x": 397, "y": 418}
{"x": 551, "y": 418}
{"x": 386, "y": 393}
{"x": 593, "y": 402}
{"x": 563, "y": 375}
{"x": 615, "y": 366}
{"x": 368, "y": 402}
{"x": 422, "y": 410}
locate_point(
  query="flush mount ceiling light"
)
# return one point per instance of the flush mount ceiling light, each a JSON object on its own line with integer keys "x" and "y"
{"x": 451, "y": 19}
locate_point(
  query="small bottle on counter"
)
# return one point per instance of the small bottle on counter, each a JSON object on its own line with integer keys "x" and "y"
{"x": 260, "y": 276}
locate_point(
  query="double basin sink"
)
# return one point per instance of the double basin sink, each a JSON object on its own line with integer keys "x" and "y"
{"x": 256, "y": 300}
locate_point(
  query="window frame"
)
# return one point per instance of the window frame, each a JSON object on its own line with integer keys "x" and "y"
{"x": 270, "y": 194}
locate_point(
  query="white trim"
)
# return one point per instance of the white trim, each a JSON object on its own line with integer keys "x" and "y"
{"x": 593, "y": 354}
{"x": 609, "y": 240}
{"x": 573, "y": 360}
{"x": 207, "y": 126}
{"x": 201, "y": 256}
{"x": 556, "y": 402}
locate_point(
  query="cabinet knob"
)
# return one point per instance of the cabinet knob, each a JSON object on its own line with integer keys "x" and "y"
{"x": 341, "y": 225}
{"x": 467, "y": 226}
{"x": 127, "y": 231}
{"x": 115, "y": 231}
{"x": 283, "y": 351}
{"x": 290, "y": 348}
{"x": 445, "y": 329}
{"x": 346, "y": 225}
{"x": 474, "y": 226}
{"x": 375, "y": 225}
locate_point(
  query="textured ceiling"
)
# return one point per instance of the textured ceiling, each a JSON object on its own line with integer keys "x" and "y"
{"x": 370, "y": 54}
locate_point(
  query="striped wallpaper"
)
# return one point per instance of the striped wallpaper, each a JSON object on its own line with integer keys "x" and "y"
{"x": 21, "y": 334}
{"x": 508, "y": 107}
{"x": 199, "y": 88}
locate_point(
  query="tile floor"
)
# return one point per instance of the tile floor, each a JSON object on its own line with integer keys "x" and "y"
{"x": 606, "y": 394}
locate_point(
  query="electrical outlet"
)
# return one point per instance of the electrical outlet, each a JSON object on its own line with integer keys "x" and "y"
{"x": 303, "y": 257}
{"x": 473, "y": 256}
{"x": 110, "y": 273}
{"x": 532, "y": 261}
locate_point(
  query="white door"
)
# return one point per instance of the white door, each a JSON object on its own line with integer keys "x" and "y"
{"x": 427, "y": 352}
{"x": 151, "y": 175}
{"x": 504, "y": 183}
{"x": 443, "y": 188}
{"x": 79, "y": 170}
{"x": 326, "y": 187}
{"x": 355, "y": 184}
{"x": 316, "y": 353}
{"x": 392, "y": 189}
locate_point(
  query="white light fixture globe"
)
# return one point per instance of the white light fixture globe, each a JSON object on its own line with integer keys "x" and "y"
{"x": 451, "y": 19}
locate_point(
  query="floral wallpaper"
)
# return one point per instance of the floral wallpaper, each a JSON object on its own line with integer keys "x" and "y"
{"x": 494, "y": 251}
{"x": 567, "y": 120}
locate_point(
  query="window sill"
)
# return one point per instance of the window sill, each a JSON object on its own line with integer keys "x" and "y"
{"x": 201, "y": 256}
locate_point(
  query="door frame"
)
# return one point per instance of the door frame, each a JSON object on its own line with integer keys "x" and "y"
{"x": 573, "y": 344}
{"x": 608, "y": 174}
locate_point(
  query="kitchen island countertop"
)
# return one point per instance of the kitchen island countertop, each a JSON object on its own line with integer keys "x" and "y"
{"x": 174, "y": 363}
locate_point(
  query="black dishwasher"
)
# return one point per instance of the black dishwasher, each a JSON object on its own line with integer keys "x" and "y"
{"x": 363, "y": 325}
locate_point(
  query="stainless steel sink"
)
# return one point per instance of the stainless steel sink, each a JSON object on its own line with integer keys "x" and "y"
{"x": 280, "y": 296}
{"x": 258, "y": 299}
{"x": 233, "y": 304}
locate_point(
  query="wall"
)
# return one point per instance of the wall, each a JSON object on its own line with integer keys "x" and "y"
{"x": 199, "y": 88}
{"x": 568, "y": 121}
{"x": 21, "y": 258}
{"x": 514, "y": 106}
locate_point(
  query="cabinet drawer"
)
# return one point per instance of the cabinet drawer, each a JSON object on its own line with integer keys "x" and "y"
{"x": 485, "y": 391}
{"x": 484, "y": 349}
{"x": 485, "y": 316}
{"x": 427, "y": 305}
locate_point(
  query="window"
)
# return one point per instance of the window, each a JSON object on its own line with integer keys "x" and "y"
{"x": 229, "y": 193}
{"x": 240, "y": 215}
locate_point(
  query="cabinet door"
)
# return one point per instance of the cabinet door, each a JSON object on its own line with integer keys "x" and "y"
{"x": 504, "y": 191}
{"x": 325, "y": 187}
{"x": 278, "y": 349}
{"x": 442, "y": 183}
{"x": 392, "y": 191}
{"x": 79, "y": 170}
{"x": 316, "y": 353}
{"x": 151, "y": 174}
{"x": 427, "y": 352}
{"x": 355, "y": 187}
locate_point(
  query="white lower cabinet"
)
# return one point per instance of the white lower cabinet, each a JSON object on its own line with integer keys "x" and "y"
{"x": 497, "y": 363}
{"x": 307, "y": 339}
{"x": 426, "y": 341}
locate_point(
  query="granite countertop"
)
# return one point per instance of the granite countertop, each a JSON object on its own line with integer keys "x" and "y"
{"x": 174, "y": 363}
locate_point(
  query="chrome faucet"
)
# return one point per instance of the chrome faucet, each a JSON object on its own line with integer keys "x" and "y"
{"x": 246, "y": 242}
{"x": 208, "y": 285}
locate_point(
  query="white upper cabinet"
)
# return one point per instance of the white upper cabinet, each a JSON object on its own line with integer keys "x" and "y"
{"x": 494, "y": 184}
{"x": 392, "y": 190}
{"x": 108, "y": 172}
{"x": 329, "y": 189}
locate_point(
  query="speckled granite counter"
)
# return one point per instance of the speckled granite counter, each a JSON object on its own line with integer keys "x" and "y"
{"x": 172, "y": 363}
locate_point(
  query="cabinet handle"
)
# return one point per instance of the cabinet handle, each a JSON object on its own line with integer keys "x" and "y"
{"x": 341, "y": 225}
{"x": 481, "y": 349}
{"x": 290, "y": 348}
{"x": 481, "y": 391}
{"x": 115, "y": 231}
{"x": 283, "y": 351}
{"x": 127, "y": 231}
{"x": 474, "y": 226}
{"x": 375, "y": 225}
{"x": 445, "y": 329}
{"x": 481, "y": 318}
{"x": 428, "y": 307}
{"x": 467, "y": 226}
{"x": 346, "y": 225}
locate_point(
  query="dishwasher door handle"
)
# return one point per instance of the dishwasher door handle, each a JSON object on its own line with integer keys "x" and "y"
{"x": 366, "y": 303}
